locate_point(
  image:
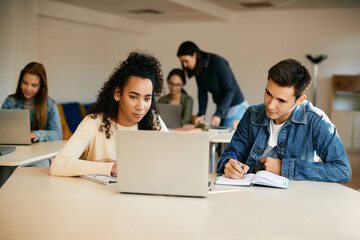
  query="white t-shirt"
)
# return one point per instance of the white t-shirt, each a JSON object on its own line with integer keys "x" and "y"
{"x": 270, "y": 150}
{"x": 274, "y": 133}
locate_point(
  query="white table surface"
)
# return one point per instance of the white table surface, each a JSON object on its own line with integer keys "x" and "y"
{"x": 27, "y": 154}
{"x": 224, "y": 137}
{"x": 35, "y": 205}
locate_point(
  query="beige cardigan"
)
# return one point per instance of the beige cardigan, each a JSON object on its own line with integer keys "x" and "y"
{"x": 90, "y": 144}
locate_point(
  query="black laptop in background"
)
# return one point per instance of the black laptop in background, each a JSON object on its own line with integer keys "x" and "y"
{"x": 6, "y": 150}
{"x": 170, "y": 114}
{"x": 15, "y": 127}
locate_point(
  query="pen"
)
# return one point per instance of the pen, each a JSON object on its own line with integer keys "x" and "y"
{"x": 237, "y": 160}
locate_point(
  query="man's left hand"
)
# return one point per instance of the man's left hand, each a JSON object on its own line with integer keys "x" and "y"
{"x": 272, "y": 165}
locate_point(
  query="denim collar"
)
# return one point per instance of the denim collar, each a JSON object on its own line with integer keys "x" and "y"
{"x": 297, "y": 116}
{"x": 19, "y": 104}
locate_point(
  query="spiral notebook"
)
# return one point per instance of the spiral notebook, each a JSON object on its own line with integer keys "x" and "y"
{"x": 101, "y": 179}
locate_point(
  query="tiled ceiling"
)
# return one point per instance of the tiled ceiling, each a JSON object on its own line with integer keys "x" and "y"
{"x": 199, "y": 10}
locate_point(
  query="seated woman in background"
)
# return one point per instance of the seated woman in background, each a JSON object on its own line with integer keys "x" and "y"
{"x": 176, "y": 81}
{"x": 32, "y": 94}
{"x": 126, "y": 101}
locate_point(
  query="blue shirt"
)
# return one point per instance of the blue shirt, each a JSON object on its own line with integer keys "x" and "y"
{"x": 308, "y": 133}
{"x": 53, "y": 125}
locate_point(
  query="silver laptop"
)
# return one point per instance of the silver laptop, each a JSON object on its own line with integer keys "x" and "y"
{"x": 6, "y": 150}
{"x": 166, "y": 163}
{"x": 14, "y": 126}
{"x": 170, "y": 114}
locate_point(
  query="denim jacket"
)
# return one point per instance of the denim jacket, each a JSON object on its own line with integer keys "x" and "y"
{"x": 53, "y": 125}
{"x": 307, "y": 135}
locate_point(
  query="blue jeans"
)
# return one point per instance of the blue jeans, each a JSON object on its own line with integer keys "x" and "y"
{"x": 234, "y": 113}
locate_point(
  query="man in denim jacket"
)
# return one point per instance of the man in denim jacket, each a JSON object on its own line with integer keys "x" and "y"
{"x": 287, "y": 135}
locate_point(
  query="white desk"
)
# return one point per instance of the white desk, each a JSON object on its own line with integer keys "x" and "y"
{"x": 218, "y": 138}
{"x": 28, "y": 154}
{"x": 34, "y": 205}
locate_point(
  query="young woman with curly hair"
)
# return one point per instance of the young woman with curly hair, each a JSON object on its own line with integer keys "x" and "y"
{"x": 126, "y": 101}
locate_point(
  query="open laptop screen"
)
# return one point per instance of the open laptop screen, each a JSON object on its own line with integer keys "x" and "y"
{"x": 14, "y": 126}
{"x": 169, "y": 163}
{"x": 170, "y": 114}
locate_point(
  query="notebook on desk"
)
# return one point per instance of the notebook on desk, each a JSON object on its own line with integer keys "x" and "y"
{"x": 166, "y": 163}
{"x": 14, "y": 126}
{"x": 170, "y": 114}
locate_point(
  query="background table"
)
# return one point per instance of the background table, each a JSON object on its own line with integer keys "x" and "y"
{"x": 28, "y": 154}
{"x": 218, "y": 138}
{"x": 38, "y": 206}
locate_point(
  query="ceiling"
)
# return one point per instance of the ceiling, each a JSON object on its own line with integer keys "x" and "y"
{"x": 199, "y": 10}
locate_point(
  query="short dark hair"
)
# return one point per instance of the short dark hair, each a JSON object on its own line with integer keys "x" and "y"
{"x": 139, "y": 65}
{"x": 181, "y": 74}
{"x": 177, "y": 72}
{"x": 290, "y": 72}
{"x": 189, "y": 48}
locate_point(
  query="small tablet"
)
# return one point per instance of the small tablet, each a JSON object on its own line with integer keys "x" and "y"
{"x": 6, "y": 150}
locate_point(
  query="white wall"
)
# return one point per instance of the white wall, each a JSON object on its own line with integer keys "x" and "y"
{"x": 254, "y": 41}
{"x": 79, "y": 57}
{"x": 80, "y": 48}
{"x": 18, "y": 41}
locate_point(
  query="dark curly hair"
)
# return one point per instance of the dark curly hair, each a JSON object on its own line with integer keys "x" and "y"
{"x": 138, "y": 65}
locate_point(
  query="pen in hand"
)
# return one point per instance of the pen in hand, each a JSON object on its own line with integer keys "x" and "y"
{"x": 232, "y": 153}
